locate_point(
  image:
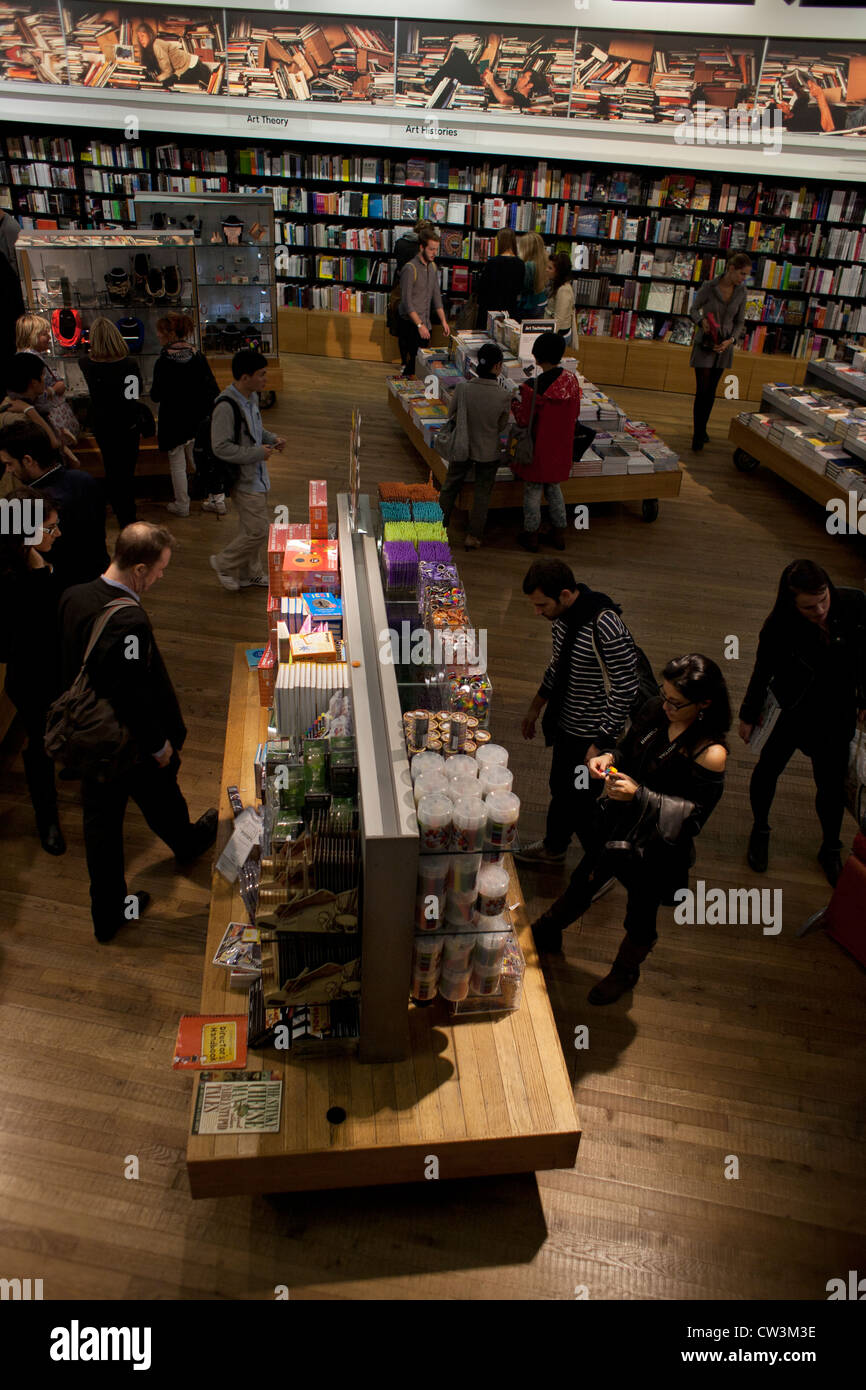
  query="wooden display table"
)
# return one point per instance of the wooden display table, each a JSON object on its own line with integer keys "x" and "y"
{"x": 753, "y": 449}
{"x": 483, "y": 1095}
{"x": 645, "y": 488}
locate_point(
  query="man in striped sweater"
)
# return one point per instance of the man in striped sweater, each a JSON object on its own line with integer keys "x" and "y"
{"x": 586, "y": 694}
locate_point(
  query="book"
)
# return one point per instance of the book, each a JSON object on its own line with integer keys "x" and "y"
{"x": 210, "y": 1040}
{"x": 238, "y": 1102}
{"x": 240, "y": 948}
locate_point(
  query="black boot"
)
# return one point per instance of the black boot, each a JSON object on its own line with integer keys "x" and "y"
{"x": 623, "y": 974}
{"x": 547, "y": 933}
{"x": 831, "y": 862}
{"x": 759, "y": 849}
{"x": 529, "y": 541}
{"x": 557, "y": 537}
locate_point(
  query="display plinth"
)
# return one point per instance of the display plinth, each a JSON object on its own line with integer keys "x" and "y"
{"x": 624, "y": 487}
{"x": 481, "y": 1095}
{"x": 816, "y": 485}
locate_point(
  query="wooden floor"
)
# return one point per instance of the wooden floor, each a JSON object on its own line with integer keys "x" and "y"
{"x": 734, "y": 1043}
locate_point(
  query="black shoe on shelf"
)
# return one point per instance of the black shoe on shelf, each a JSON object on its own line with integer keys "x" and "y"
{"x": 831, "y": 862}
{"x": 759, "y": 850}
{"x": 104, "y": 934}
{"x": 52, "y": 839}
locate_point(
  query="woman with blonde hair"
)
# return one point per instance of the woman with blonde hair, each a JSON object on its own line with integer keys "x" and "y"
{"x": 33, "y": 334}
{"x": 115, "y": 386}
{"x": 533, "y": 253}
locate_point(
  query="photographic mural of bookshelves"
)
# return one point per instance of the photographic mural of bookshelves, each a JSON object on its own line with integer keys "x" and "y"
{"x": 640, "y": 244}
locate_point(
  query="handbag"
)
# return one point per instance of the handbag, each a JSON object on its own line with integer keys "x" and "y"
{"x": 82, "y": 732}
{"x": 520, "y": 444}
{"x": 146, "y": 422}
{"x": 452, "y": 441}
{"x": 766, "y": 722}
{"x": 855, "y": 781}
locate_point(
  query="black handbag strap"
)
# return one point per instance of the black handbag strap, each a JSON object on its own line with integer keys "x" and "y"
{"x": 99, "y": 627}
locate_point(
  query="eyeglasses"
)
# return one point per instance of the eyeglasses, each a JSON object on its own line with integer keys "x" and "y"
{"x": 53, "y": 530}
{"x": 671, "y": 703}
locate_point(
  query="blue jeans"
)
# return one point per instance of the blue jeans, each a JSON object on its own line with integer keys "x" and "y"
{"x": 532, "y": 505}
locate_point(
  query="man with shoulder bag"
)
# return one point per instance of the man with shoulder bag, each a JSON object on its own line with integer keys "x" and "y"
{"x": 126, "y": 672}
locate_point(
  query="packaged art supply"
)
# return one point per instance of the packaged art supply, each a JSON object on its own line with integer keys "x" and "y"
{"x": 267, "y": 671}
{"x": 491, "y": 755}
{"x": 470, "y": 819}
{"x": 318, "y": 510}
{"x": 492, "y": 890}
{"x": 463, "y": 872}
{"x": 461, "y": 766}
{"x": 503, "y": 811}
{"x": 430, "y": 783}
{"x": 495, "y": 779}
{"x": 426, "y": 762}
{"x": 240, "y": 948}
{"x": 434, "y": 823}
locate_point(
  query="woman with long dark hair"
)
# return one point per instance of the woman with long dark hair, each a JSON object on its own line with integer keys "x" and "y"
{"x": 719, "y": 308}
{"x": 662, "y": 783}
{"x": 29, "y": 645}
{"x": 560, "y": 295}
{"x": 812, "y": 658}
{"x": 500, "y": 283}
{"x": 167, "y": 61}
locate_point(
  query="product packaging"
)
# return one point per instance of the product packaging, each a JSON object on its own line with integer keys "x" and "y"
{"x": 503, "y": 811}
{"x": 470, "y": 818}
{"x": 492, "y": 890}
{"x": 434, "y": 823}
{"x": 318, "y": 510}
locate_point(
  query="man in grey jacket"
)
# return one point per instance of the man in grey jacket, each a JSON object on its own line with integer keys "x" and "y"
{"x": 419, "y": 294}
{"x": 239, "y": 438}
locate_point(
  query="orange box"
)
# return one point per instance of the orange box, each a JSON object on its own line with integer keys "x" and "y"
{"x": 267, "y": 673}
{"x": 319, "y": 510}
{"x": 311, "y": 566}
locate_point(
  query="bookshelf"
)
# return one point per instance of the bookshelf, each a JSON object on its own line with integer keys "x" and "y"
{"x": 643, "y": 244}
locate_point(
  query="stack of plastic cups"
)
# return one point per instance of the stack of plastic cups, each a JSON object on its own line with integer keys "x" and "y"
{"x": 456, "y": 966}
{"x": 434, "y": 823}
{"x": 430, "y": 898}
{"x": 487, "y": 958}
{"x": 492, "y": 890}
{"x": 491, "y": 755}
{"x": 461, "y": 766}
{"x": 495, "y": 779}
{"x": 426, "y": 968}
{"x": 503, "y": 811}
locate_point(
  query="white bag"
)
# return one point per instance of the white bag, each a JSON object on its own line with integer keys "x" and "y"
{"x": 855, "y": 783}
{"x": 766, "y": 722}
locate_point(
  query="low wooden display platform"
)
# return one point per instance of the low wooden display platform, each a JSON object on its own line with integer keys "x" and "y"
{"x": 624, "y": 487}
{"x": 482, "y": 1095}
{"x": 815, "y": 485}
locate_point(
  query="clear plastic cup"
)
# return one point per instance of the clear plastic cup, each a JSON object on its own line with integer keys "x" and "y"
{"x": 463, "y": 785}
{"x": 455, "y": 985}
{"x": 432, "y": 874}
{"x": 457, "y": 953}
{"x": 492, "y": 889}
{"x": 460, "y": 908}
{"x": 484, "y": 981}
{"x": 428, "y": 955}
{"x": 434, "y": 822}
{"x": 495, "y": 779}
{"x": 489, "y": 951}
{"x": 461, "y": 765}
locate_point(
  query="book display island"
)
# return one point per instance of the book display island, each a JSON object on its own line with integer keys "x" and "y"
{"x": 369, "y": 958}
{"x": 640, "y": 243}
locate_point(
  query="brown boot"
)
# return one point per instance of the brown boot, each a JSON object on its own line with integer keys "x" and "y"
{"x": 557, "y": 537}
{"x": 623, "y": 975}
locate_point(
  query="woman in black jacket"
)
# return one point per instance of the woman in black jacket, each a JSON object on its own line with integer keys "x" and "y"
{"x": 29, "y": 646}
{"x": 812, "y": 658}
{"x": 185, "y": 389}
{"x": 500, "y": 282}
{"x": 662, "y": 783}
{"x": 114, "y": 382}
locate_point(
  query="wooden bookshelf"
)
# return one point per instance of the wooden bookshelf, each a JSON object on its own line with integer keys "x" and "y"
{"x": 485, "y": 1095}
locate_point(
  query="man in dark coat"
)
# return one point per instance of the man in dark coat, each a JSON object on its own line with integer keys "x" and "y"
{"x": 126, "y": 668}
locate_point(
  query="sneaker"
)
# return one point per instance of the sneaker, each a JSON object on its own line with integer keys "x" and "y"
{"x": 538, "y": 853}
{"x": 227, "y": 582}
{"x": 177, "y": 508}
{"x": 214, "y": 504}
{"x": 260, "y": 581}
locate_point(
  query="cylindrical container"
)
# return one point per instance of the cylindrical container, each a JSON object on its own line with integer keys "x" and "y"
{"x": 429, "y": 908}
{"x": 503, "y": 810}
{"x": 470, "y": 747}
{"x": 471, "y": 819}
{"x": 481, "y": 737}
{"x": 426, "y": 762}
{"x": 463, "y": 874}
{"x": 432, "y": 874}
{"x": 429, "y": 784}
{"x": 428, "y": 955}
{"x": 484, "y": 981}
{"x": 425, "y": 988}
{"x": 492, "y": 754}
{"x": 461, "y": 766}
{"x": 492, "y": 890}
{"x": 454, "y": 985}
{"x": 456, "y": 737}
{"x": 457, "y": 952}
{"x": 495, "y": 779}
{"x": 464, "y": 785}
{"x": 460, "y": 907}
{"x": 434, "y": 823}
{"x": 434, "y": 745}
{"x": 489, "y": 951}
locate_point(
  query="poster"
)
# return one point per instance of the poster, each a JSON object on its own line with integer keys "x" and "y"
{"x": 31, "y": 43}
{"x": 819, "y": 88}
{"x": 145, "y": 49}
{"x": 323, "y": 58}
{"x": 521, "y": 69}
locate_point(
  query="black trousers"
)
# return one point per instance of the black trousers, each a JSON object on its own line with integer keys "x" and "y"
{"x": 410, "y": 340}
{"x": 155, "y": 791}
{"x": 119, "y": 450}
{"x": 645, "y": 892}
{"x": 706, "y": 384}
{"x": 829, "y": 768}
{"x": 572, "y": 811}
{"x": 38, "y": 767}
{"x": 485, "y": 477}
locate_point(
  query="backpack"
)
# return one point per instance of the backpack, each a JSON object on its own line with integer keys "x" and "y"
{"x": 212, "y": 474}
{"x": 393, "y": 317}
{"x": 647, "y": 685}
{"x": 82, "y": 732}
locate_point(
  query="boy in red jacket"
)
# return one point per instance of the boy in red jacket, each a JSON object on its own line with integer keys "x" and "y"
{"x": 557, "y": 406}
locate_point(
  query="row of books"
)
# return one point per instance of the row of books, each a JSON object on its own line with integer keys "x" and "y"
{"x": 99, "y": 181}
{"x": 341, "y": 301}
{"x": 38, "y": 175}
{"x": 814, "y": 451}
{"x": 361, "y": 270}
{"x": 825, "y": 412}
{"x": 337, "y": 237}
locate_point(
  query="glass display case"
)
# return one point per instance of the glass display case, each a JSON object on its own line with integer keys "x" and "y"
{"x": 72, "y": 278}
{"x": 234, "y": 264}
